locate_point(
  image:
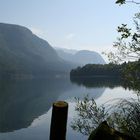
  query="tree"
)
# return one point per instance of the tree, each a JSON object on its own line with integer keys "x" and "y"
{"x": 125, "y": 1}
{"x": 127, "y": 46}
{"x": 121, "y": 114}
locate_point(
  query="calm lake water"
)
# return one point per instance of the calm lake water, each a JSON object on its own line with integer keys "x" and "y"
{"x": 25, "y": 105}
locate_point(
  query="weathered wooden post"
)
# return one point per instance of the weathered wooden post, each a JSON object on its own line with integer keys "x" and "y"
{"x": 59, "y": 121}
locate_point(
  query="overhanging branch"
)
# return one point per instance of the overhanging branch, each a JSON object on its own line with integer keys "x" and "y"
{"x": 132, "y": 1}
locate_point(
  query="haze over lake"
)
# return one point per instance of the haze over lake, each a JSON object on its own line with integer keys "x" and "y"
{"x": 84, "y": 53}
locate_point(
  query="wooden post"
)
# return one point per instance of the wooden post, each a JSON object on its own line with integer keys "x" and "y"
{"x": 59, "y": 121}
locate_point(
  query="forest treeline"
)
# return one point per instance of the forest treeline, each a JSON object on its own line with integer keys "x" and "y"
{"x": 124, "y": 70}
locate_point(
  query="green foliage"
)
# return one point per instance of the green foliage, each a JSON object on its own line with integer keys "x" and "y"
{"x": 124, "y": 30}
{"x": 97, "y": 70}
{"x": 120, "y": 2}
{"x": 89, "y": 116}
{"x": 122, "y": 116}
{"x": 132, "y": 76}
{"x": 127, "y": 73}
{"x": 127, "y": 46}
{"x": 125, "y": 115}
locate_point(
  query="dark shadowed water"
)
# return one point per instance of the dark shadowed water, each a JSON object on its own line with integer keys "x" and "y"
{"x": 25, "y": 105}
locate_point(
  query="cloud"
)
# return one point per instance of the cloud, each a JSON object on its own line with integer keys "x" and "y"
{"x": 70, "y": 36}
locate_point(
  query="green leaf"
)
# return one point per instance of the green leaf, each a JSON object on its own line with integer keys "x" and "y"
{"x": 120, "y": 2}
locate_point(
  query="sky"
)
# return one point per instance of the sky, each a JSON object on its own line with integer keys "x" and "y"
{"x": 72, "y": 24}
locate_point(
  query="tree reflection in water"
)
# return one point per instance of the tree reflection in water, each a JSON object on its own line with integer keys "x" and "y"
{"x": 124, "y": 116}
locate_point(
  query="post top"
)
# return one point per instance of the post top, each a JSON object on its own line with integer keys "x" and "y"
{"x": 60, "y": 104}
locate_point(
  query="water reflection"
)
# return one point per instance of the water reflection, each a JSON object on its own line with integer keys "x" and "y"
{"x": 110, "y": 82}
{"x": 123, "y": 115}
{"x": 23, "y": 101}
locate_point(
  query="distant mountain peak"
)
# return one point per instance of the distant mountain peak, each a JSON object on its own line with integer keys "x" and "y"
{"x": 81, "y": 57}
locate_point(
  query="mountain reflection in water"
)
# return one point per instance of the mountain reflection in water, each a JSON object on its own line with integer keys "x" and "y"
{"x": 91, "y": 82}
{"x": 23, "y": 101}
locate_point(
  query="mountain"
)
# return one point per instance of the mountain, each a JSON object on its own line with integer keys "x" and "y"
{"x": 23, "y": 53}
{"x": 81, "y": 58}
{"x": 88, "y": 57}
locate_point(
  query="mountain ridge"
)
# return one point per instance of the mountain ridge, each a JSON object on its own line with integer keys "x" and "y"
{"x": 81, "y": 57}
{"x": 22, "y": 52}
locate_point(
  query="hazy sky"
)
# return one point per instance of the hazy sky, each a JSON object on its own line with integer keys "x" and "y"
{"x": 74, "y": 24}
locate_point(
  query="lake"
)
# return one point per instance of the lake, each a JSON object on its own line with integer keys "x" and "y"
{"x": 25, "y": 105}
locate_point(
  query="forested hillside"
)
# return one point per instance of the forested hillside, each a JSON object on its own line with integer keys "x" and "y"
{"x": 23, "y": 53}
